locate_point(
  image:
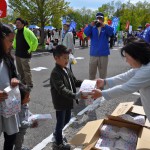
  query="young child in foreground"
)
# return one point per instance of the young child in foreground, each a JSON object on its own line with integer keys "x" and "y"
{"x": 63, "y": 91}
{"x": 24, "y": 114}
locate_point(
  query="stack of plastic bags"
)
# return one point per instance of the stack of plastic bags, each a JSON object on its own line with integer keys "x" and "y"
{"x": 115, "y": 138}
{"x": 137, "y": 119}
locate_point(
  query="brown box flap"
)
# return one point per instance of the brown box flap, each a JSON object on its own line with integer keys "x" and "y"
{"x": 86, "y": 134}
{"x": 122, "y": 108}
{"x": 147, "y": 123}
{"x": 143, "y": 145}
{"x": 145, "y": 134}
{"x": 138, "y": 110}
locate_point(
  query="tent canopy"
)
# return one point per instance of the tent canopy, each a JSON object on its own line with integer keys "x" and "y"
{"x": 49, "y": 27}
{"x": 33, "y": 27}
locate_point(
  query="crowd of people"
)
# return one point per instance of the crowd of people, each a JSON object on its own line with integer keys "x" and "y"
{"x": 136, "y": 51}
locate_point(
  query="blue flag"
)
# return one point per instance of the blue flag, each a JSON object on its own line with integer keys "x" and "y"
{"x": 64, "y": 21}
{"x": 73, "y": 25}
{"x": 115, "y": 23}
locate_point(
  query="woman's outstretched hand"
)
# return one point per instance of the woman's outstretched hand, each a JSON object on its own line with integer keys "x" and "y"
{"x": 100, "y": 83}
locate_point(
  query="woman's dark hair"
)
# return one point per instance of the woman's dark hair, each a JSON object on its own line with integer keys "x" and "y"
{"x": 137, "y": 49}
{"x": 22, "y": 21}
{"x": 5, "y": 30}
{"x": 60, "y": 50}
{"x": 130, "y": 39}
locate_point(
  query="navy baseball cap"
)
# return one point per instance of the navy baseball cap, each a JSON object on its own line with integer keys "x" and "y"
{"x": 67, "y": 24}
{"x": 99, "y": 14}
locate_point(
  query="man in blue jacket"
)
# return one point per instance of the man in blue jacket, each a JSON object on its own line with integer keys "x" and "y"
{"x": 99, "y": 34}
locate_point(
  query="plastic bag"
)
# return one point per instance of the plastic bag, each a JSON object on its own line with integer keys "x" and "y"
{"x": 72, "y": 59}
{"x": 40, "y": 118}
{"x": 12, "y": 104}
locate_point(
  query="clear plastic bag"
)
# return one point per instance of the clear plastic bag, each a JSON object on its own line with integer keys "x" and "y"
{"x": 12, "y": 104}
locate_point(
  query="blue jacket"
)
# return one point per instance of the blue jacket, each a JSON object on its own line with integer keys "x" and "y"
{"x": 145, "y": 35}
{"x": 99, "y": 43}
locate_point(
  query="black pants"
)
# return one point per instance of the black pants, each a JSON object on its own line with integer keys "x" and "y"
{"x": 9, "y": 141}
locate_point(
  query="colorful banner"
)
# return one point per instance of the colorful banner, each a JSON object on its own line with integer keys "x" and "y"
{"x": 64, "y": 21}
{"x": 115, "y": 23}
{"x": 3, "y": 8}
{"x": 127, "y": 25}
{"x": 73, "y": 24}
{"x": 130, "y": 29}
{"x": 109, "y": 22}
{"x": 106, "y": 20}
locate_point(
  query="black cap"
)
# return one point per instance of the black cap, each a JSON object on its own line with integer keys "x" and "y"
{"x": 99, "y": 14}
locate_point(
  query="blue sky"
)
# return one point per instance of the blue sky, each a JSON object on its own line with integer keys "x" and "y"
{"x": 94, "y": 4}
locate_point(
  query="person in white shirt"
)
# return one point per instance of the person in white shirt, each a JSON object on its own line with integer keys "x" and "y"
{"x": 8, "y": 77}
{"x": 67, "y": 40}
{"x": 56, "y": 35}
{"x": 137, "y": 55}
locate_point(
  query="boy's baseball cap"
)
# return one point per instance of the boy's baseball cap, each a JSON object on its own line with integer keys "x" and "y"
{"x": 99, "y": 14}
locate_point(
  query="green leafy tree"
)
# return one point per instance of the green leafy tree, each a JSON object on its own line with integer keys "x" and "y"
{"x": 81, "y": 16}
{"x": 137, "y": 14}
{"x": 108, "y": 9}
{"x": 39, "y": 12}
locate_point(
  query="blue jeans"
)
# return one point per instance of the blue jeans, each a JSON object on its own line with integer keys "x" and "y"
{"x": 62, "y": 117}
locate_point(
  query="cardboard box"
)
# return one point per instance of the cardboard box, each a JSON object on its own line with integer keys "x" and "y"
{"x": 126, "y": 107}
{"x": 90, "y": 133}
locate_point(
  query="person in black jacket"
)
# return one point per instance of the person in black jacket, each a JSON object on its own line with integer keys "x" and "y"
{"x": 63, "y": 91}
{"x": 8, "y": 77}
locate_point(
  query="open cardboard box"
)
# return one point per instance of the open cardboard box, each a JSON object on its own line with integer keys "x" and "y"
{"x": 126, "y": 107}
{"x": 90, "y": 133}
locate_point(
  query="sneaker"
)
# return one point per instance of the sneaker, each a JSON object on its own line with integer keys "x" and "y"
{"x": 64, "y": 138}
{"x": 63, "y": 146}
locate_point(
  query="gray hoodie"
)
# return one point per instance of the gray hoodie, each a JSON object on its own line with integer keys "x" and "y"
{"x": 129, "y": 82}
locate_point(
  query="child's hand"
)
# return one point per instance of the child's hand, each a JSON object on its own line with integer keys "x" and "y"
{"x": 3, "y": 96}
{"x": 96, "y": 93}
{"x": 34, "y": 124}
{"x": 26, "y": 98}
{"x": 14, "y": 82}
{"x": 83, "y": 96}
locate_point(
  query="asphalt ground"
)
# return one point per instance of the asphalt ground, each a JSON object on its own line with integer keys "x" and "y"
{"x": 41, "y": 102}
